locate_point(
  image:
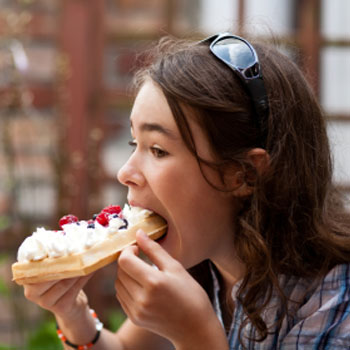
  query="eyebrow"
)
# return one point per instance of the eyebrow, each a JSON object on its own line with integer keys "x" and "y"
{"x": 155, "y": 127}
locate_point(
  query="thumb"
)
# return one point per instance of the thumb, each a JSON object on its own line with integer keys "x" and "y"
{"x": 153, "y": 250}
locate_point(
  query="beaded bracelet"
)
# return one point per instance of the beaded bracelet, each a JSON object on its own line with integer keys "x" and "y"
{"x": 99, "y": 326}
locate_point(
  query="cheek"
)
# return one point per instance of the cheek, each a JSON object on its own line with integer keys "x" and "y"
{"x": 171, "y": 182}
{"x": 186, "y": 196}
{"x": 183, "y": 189}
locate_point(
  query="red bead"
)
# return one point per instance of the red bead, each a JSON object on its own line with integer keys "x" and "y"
{"x": 86, "y": 346}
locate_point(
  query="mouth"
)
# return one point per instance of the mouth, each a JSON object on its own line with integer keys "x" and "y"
{"x": 162, "y": 238}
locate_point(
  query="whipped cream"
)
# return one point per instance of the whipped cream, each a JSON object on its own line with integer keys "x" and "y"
{"x": 77, "y": 236}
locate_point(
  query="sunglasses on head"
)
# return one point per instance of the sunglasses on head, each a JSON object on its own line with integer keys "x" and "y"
{"x": 238, "y": 54}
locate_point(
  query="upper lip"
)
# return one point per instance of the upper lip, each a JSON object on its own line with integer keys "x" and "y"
{"x": 133, "y": 203}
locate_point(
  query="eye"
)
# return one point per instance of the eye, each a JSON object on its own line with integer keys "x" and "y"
{"x": 158, "y": 152}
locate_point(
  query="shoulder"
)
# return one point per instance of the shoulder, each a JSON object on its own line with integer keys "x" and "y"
{"x": 323, "y": 319}
{"x": 339, "y": 275}
{"x": 334, "y": 287}
{"x": 332, "y": 291}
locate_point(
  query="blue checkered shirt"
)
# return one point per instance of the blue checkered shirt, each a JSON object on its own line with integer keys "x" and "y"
{"x": 321, "y": 321}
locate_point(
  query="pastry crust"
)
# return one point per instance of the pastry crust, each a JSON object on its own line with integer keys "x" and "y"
{"x": 90, "y": 260}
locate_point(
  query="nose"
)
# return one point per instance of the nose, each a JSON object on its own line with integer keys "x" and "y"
{"x": 130, "y": 174}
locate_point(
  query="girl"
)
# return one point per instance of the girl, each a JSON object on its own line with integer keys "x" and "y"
{"x": 230, "y": 147}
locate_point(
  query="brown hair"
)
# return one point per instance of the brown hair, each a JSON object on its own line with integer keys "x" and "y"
{"x": 294, "y": 223}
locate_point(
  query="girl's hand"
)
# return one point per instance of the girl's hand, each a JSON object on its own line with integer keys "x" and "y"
{"x": 65, "y": 298}
{"x": 167, "y": 300}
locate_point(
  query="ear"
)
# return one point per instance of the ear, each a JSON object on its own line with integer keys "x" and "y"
{"x": 242, "y": 181}
{"x": 259, "y": 159}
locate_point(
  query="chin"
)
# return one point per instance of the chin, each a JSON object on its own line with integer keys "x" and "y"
{"x": 171, "y": 243}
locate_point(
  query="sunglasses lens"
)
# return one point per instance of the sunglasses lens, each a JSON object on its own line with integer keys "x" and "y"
{"x": 240, "y": 56}
{"x": 234, "y": 52}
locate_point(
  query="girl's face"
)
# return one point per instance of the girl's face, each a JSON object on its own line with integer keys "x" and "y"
{"x": 162, "y": 175}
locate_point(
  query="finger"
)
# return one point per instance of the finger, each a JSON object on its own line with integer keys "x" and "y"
{"x": 129, "y": 284}
{"x": 72, "y": 293}
{"x": 129, "y": 259}
{"x": 133, "y": 249}
{"x": 33, "y": 291}
{"x": 123, "y": 295}
{"x": 125, "y": 308}
{"x": 126, "y": 301}
{"x": 128, "y": 281}
{"x": 153, "y": 250}
{"x": 135, "y": 267}
{"x": 50, "y": 298}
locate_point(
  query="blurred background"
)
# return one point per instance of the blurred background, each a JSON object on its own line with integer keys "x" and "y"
{"x": 65, "y": 73}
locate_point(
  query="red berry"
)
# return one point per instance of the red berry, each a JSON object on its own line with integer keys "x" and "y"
{"x": 68, "y": 219}
{"x": 112, "y": 209}
{"x": 102, "y": 218}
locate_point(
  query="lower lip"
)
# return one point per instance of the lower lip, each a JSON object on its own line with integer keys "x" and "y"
{"x": 162, "y": 239}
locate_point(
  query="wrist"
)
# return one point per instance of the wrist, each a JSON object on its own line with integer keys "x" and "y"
{"x": 210, "y": 335}
{"x": 85, "y": 345}
{"x": 78, "y": 329}
{"x": 73, "y": 312}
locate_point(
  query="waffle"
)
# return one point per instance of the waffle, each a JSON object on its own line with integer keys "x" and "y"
{"x": 89, "y": 260}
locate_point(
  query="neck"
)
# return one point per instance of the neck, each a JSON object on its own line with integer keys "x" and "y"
{"x": 230, "y": 274}
{"x": 231, "y": 270}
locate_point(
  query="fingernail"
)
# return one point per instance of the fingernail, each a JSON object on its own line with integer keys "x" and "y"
{"x": 141, "y": 233}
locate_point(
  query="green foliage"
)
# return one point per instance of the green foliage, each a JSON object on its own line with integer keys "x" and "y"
{"x": 3, "y": 258}
{"x": 115, "y": 320}
{"x": 44, "y": 338}
{"x": 4, "y": 289}
{"x": 5, "y": 222}
{"x": 6, "y": 347}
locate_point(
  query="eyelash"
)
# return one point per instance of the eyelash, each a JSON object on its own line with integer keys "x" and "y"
{"x": 156, "y": 151}
{"x": 133, "y": 144}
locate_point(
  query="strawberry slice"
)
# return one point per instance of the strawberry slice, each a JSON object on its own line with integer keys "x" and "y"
{"x": 112, "y": 209}
{"x": 68, "y": 219}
